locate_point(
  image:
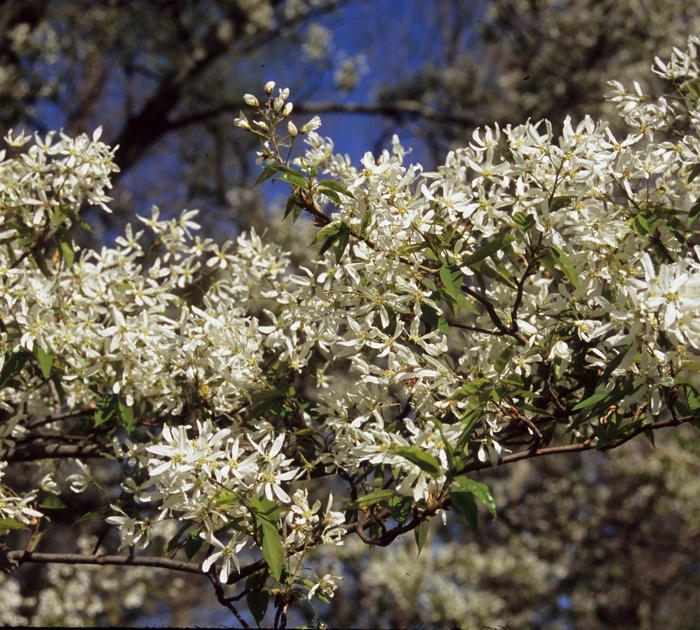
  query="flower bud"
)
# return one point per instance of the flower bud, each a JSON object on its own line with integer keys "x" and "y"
{"x": 284, "y": 94}
{"x": 242, "y": 122}
{"x": 278, "y": 104}
{"x": 292, "y": 129}
{"x": 269, "y": 86}
{"x": 312, "y": 125}
{"x": 262, "y": 125}
{"x": 251, "y": 100}
{"x": 287, "y": 109}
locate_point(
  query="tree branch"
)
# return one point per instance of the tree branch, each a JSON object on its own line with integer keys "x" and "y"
{"x": 32, "y": 452}
{"x": 20, "y": 557}
{"x": 394, "y": 109}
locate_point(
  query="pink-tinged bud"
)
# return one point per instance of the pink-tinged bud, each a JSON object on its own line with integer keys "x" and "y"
{"x": 292, "y": 129}
{"x": 251, "y": 100}
{"x": 269, "y": 86}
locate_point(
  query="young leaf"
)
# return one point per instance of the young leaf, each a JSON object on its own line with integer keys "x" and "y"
{"x": 193, "y": 544}
{"x": 336, "y": 186}
{"x": 371, "y": 499}
{"x": 590, "y": 401}
{"x": 565, "y": 264}
{"x": 502, "y": 361}
{"x": 464, "y": 501}
{"x": 10, "y": 523}
{"x": 126, "y": 416}
{"x": 499, "y": 242}
{"x": 400, "y": 508}
{"x": 65, "y": 242}
{"x": 258, "y": 598}
{"x": 331, "y": 194}
{"x": 480, "y": 491}
{"x": 421, "y": 534}
{"x": 272, "y": 548}
{"x": 52, "y": 503}
{"x": 45, "y": 359}
{"x": 451, "y": 276}
{"x": 106, "y": 407}
{"x": 271, "y": 170}
{"x": 331, "y": 229}
{"x": 425, "y": 461}
{"x": 694, "y": 211}
{"x": 342, "y": 242}
{"x": 295, "y": 178}
{"x": 175, "y": 540}
{"x": 13, "y": 366}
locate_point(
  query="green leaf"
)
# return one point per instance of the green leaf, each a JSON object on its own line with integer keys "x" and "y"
{"x": 332, "y": 195}
{"x": 267, "y": 394}
{"x": 272, "y": 549}
{"x": 480, "y": 491}
{"x": 503, "y": 360}
{"x": 451, "y": 276}
{"x": 193, "y": 544}
{"x": 265, "y": 509}
{"x": 400, "y": 508}
{"x": 694, "y": 211}
{"x": 560, "y": 202}
{"x": 293, "y": 207}
{"x": 366, "y": 220}
{"x": 267, "y": 512}
{"x": 499, "y": 242}
{"x": 421, "y": 534}
{"x": 435, "y": 321}
{"x": 327, "y": 231}
{"x": 336, "y": 186}
{"x": 65, "y": 242}
{"x": 342, "y": 242}
{"x": 175, "y": 540}
{"x": 106, "y": 407}
{"x": 126, "y": 416}
{"x": 52, "y": 503}
{"x": 10, "y": 523}
{"x": 590, "y": 401}
{"x": 425, "y": 461}
{"x": 45, "y": 359}
{"x": 295, "y": 178}
{"x": 258, "y": 599}
{"x": 564, "y": 263}
{"x": 464, "y": 501}
{"x": 371, "y": 499}
{"x": 470, "y": 389}
{"x": 270, "y": 170}
{"x": 694, "y": 172}
{"x": 641, "y": 225}
{"x": 524, "y": 222}
{"x": 92, "y": 514}
{"x": 13, "y": 366}
{"x": 483, "y": 268}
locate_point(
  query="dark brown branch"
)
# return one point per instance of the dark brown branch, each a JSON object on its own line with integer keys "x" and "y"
{"x": 33, "y": 452}
{"x": 588, "y": 445}
{"x": 21, "y": 557}
{"x": 394, "y": 109}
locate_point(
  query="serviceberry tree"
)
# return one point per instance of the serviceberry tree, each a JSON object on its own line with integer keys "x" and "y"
{"x": 533, "y": 296}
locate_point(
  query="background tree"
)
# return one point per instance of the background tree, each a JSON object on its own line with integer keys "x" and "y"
{"x": 164, "y": 80}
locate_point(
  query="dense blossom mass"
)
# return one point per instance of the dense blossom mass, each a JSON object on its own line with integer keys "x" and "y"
{"x": 534, "y": 288}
